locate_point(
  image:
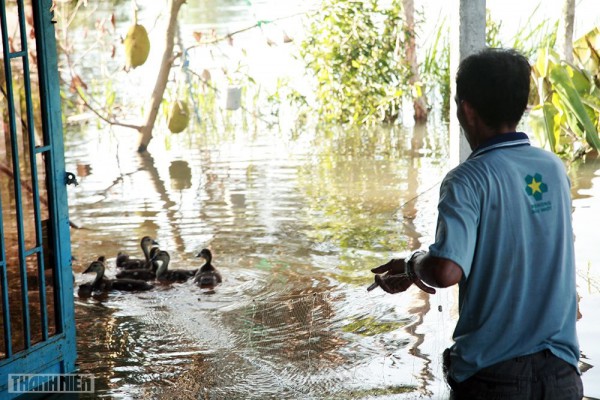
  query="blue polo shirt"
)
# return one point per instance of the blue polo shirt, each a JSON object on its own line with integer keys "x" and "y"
{"x": 505, "y": 219}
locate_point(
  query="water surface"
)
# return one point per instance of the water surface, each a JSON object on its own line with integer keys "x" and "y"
{"x": 295, "y": 222}
{"x": 295, "y": 225}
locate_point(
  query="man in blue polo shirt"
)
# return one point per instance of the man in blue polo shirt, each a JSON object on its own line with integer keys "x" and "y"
{"x": 504, "y": 235}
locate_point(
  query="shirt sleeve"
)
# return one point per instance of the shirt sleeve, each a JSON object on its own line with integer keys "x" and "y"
{"x": 457, "y": 224}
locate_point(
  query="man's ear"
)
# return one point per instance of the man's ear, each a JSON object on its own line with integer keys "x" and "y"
{"x": 469, "y": 113}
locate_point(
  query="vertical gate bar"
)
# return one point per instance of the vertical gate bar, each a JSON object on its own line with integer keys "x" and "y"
{"x": 55, "y": 168}
{"x": 17, "y": 176}
{"x": 3, "y": 277}
{"x": 34, "y": 173}
{"x": 4, "y": 288}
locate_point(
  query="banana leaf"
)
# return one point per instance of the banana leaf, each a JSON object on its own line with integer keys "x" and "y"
{"x": 587, "y": 48}
{"x": 545, "y": 124}
{"x": 580, "y": 78}
{"x": 592, "y": 101}
{"x": 543, "y": 62}
{"x": 571, "y": 99}
{"x": 546, "y": 61}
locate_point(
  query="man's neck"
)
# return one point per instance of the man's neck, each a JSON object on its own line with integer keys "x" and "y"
{"x": 485, "y": 133}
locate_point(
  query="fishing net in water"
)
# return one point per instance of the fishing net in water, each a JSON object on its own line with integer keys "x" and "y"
{"x": 310, "y": 346}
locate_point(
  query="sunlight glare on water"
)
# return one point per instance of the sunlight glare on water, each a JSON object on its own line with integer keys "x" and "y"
{"x": 294, "y": 230}
{"x": 295, "y": 224}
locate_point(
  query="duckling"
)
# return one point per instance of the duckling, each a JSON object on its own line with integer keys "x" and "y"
{"x": 86, "y": 289}
{"x": 124, "y": 261}
{"x": 144, "y": 274}
{"x": 101, "y": 283}
{"x": 207, "y": 276}
{"x": 171, "y": 275}
{"x": 152, "y": 254}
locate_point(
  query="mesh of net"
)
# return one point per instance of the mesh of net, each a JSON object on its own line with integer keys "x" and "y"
{"x": 292, "y": 347}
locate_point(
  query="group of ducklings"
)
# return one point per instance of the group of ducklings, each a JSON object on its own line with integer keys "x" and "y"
{"x": 135, "y": 273}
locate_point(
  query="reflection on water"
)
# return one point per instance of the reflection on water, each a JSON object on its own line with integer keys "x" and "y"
{"x": 294, "y": 226}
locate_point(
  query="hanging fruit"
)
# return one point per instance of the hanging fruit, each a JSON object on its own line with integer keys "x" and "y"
{"x": 137, "y": 46}
{"x": 179, "y": 117}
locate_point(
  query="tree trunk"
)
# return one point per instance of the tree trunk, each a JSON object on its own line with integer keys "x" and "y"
{"x": 565, "y": 31}
{"x": 419, "y": 99}
{"x": 162, "y": 78}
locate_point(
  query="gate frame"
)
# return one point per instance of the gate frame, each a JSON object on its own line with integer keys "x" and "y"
{"x": 56, "y": 354}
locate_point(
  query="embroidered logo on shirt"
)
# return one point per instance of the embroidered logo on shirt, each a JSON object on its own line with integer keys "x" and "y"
{"x": 535, "y": 187}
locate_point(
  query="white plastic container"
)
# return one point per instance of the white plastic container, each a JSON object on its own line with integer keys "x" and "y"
{"x": 234, "y": 98}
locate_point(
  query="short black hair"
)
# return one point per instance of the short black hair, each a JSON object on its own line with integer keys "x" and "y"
{"x": 496, "y": 84}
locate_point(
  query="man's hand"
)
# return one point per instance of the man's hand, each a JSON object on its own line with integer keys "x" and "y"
{"x": 392, "y": 278}
{"x": 395, "y": 266}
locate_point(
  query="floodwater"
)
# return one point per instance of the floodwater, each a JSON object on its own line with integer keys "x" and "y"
{"x": 294, "y": 226}
{"x": 295, "y": 222}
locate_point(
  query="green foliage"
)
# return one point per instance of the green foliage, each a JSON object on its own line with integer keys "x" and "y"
{"x": 436, "y": 66}
{"x": 586, "y": 50}
{"x": 566, "y": 117}
{"x": 528, "y": 39}
{"x": 492, "y": 31}
{"x": 353, "y": 51}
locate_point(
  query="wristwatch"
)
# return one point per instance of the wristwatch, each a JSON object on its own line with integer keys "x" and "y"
{"x": 409, "y": 263}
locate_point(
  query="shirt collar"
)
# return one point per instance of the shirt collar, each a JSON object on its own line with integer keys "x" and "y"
{"x": 502, "y": 140}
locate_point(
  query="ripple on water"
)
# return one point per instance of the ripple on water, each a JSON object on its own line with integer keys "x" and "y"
{"x": 291, "y": 318}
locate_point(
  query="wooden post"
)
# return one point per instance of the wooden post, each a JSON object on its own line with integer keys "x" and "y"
{"x": 467, "y": 33}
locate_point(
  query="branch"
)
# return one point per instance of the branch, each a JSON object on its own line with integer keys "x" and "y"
{"x": 258, "y": 24}
{"x": 79, "y": 90}
{"x": 102, "y": 117}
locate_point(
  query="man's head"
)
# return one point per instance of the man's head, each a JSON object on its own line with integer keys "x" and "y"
{"x": 495, "y": 84}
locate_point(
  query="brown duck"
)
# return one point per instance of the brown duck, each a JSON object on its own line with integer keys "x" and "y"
{"x": 124, "y": 261}
{"x": 163, "y": 273}
{"x": 144, "y": 274}
{"x": 207, "y": 276}
{"x": 101, "y": 283}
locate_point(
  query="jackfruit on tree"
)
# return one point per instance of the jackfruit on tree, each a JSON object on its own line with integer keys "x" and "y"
{"x": 179, "y": 117}
{"x": 137, "y": 46}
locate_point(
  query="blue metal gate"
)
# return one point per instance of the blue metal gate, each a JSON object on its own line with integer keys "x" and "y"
{"x": 37, "y": 331}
